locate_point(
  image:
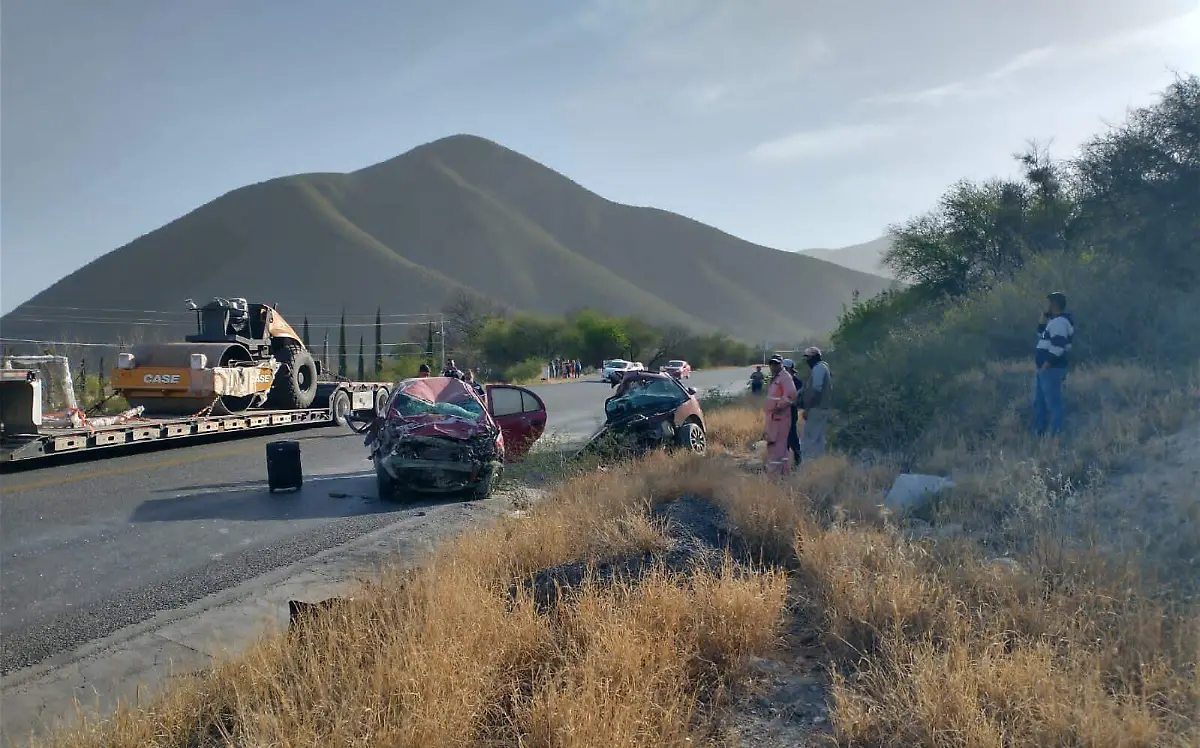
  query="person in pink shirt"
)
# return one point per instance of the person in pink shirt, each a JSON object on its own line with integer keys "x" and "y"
{"x": 777, "y": 416}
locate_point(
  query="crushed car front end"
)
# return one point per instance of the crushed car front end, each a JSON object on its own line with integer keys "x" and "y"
{"x": 437, "y": 437}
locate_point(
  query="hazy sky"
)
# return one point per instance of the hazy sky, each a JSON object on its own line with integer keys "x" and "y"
{"x": 790, "y": 123}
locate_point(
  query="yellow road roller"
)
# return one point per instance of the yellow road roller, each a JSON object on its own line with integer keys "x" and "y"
{"x": 243, "y": 356}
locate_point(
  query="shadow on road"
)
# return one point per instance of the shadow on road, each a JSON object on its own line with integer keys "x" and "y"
{"x": 325, "y": 497}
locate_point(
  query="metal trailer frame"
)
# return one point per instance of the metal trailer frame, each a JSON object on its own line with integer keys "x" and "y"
{"x": 363, "y": 396}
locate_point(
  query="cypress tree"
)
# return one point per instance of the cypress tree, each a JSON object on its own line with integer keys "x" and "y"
{"x": 362, "y": 363}
{"x": 342, "y": 346}
{"x": 429, "y": 345}
{"x": 304, "y": 332}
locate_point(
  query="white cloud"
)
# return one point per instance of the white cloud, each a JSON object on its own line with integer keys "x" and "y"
{"x": 709, "y": 54}
{"x": 1178, "y": 34}
{"x": 829, "y": 141}
{"x": 1024, "y": 61}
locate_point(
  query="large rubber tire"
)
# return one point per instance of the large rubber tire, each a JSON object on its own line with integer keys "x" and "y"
{"x": 691, "y": 437}
{"x": 295, "y": 384}
{"x": 385, "y": 486}
{"x": 339, "y": 407}
{"x": 483, "y": 489}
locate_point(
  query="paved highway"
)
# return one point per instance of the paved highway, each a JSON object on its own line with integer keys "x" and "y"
{"x": 94, "y": 546}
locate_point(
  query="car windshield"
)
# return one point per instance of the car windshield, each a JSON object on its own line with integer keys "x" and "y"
{"x": 674, "y": 363}
{"x": 467, "y": 408}
{"x": 618, "y": 364}
{"x": 645, "y": 394}
{"x": 434, "y": 396}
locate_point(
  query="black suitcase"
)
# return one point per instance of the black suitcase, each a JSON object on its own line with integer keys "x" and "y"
{"x": 283, "y": 466}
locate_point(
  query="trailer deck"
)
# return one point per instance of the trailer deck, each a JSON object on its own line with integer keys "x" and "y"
{"x": 359, "y": 397}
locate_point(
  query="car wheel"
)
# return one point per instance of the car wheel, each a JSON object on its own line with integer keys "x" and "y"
{"x": 385, "y": 484}
{"x": 691, "y": 437}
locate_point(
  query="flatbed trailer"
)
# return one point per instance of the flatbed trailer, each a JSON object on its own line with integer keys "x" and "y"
{"x": 334, "y": 402}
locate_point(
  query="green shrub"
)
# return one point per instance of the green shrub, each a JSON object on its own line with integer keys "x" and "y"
{"x": 527, "y": 370}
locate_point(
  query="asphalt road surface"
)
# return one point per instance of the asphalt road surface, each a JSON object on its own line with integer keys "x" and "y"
{"x": 94, "y": 546}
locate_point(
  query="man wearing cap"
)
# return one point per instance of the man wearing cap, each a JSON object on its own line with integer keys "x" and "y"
{"x": 423, "y": 371}
{"x": 816, "y": 400}
{"x": 781, "y": 395}
{"x": 793, "y": 444}
{"x": 1055, "y": 335}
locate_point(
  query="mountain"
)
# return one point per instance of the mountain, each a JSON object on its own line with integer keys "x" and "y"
{"x": 864, "y": 257}
{"x": 458, "y": 214}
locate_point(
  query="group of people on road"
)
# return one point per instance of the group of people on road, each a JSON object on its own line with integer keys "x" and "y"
{"x": 569, "y": 368}
{"x": 790, "y": 399}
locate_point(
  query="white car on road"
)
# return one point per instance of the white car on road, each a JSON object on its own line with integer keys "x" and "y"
{"x": 613, "y": 370}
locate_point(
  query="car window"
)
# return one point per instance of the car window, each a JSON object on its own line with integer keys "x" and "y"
{"x": 646, "y": 394}
{"x": 674, "y": 363}
{"x": 529, "y": 403}
{"x": 506, "y": 401}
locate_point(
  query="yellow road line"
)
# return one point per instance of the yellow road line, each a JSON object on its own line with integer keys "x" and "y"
{"x": 48, "y": 482}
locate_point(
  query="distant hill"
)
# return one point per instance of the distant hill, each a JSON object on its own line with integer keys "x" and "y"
{"x": 458, "y": 214}
{"x": 864, "y": 257}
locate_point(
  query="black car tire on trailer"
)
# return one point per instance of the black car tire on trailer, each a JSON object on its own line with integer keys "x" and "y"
{"x": 339, "y": 407}
{"x": 295, "y": 384}
{"x": 691, "y": 437}
{"x": 381, "y": 400}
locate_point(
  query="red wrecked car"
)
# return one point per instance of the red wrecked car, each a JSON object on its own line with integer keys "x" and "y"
{"x": 442, "y": 435}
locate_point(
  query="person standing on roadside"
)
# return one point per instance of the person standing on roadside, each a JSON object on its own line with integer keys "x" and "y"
{"x": 781, "y": 395}
{"x": 816, "y": 400}
{"x": 423, "y": 371}
{"x": 756, "y": 380}
{"x": 1056, "y": 333}
{"x": 793, "y": 443}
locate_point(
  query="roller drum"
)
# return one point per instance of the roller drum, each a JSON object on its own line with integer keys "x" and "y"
{"x": 179, "y": 356}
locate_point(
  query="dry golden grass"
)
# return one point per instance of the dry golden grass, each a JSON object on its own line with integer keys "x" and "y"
{"x": 929, "y": 642}
{"x": 451, "y": 654}
{"x": 734, "y": 428}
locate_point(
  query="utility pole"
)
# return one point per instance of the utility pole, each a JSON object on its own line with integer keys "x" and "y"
{"x": 442, "y": 333}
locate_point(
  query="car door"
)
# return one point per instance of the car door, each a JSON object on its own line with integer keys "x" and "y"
{"x": 521, "y": 415}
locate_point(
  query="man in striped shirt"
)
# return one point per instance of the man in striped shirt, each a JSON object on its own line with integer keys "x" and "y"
{"x": 1055, "y": 335}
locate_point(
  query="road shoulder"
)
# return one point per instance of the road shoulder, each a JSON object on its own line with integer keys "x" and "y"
{"x": 134, "y": 662}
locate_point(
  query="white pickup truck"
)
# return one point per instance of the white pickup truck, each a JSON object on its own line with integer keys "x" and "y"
{"x": 613, "y": 370}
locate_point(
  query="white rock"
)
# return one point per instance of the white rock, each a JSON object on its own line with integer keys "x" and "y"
{"x": 912, "y": 489}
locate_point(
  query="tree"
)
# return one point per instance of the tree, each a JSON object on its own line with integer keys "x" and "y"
{"x": 670, "y": 344}
{"x": 342, "y": 345}
{"x": 641, "y": 338}
{"x": 378, "y": 342}
{"x": 600, "y": 337}
{"x": 468, "y": 313}
{"x": 1138, "y": 186}
{"x": 325, "y": 351}
{"x": 362, "y": 362}
{"x": 304, "y": 332}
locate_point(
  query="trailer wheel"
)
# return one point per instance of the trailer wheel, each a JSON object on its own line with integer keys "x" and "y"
{"x": 339, "y": 408}
{"x": 295, "y": 384}
{"x": 381, "y": 400}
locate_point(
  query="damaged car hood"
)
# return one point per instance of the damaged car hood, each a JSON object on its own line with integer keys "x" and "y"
{"x": 436, "y": 407}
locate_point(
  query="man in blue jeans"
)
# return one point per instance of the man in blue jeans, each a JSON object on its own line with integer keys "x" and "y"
{"x": 1055, "y": 335}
